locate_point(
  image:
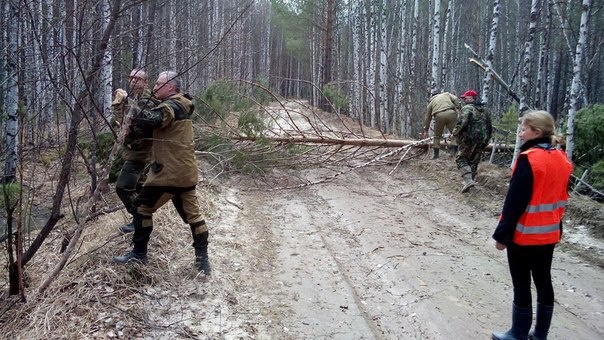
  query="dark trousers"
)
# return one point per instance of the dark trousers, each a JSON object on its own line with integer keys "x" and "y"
{"x": 127, "y": 185}
{"x": 525, "y": 261}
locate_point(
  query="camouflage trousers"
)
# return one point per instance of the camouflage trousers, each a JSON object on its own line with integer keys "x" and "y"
{"x": 130, "y": 182}
{"x": 469, "y": 155}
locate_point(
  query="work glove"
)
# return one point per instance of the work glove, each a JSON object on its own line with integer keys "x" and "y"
{"x": 120, "y": 94}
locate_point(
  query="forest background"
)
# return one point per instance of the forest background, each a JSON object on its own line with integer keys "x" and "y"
{"x": 376, "y": 61}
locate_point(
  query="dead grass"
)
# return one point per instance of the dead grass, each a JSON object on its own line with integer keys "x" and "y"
{"x": 95, "y": 298}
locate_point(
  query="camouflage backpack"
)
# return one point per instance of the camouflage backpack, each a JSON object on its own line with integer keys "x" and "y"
{"x": 479, "y": 126}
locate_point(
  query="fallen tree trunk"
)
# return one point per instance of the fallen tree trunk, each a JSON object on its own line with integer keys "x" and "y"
{"x": 387, "y": 143}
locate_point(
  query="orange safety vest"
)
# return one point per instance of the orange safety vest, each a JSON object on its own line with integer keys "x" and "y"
{"x": 540, "y": 222}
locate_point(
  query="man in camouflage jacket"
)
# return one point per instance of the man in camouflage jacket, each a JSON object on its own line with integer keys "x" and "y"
{"x": 136, "y": 142}
{"x": 173, "y": 173}
{"x": 473, "y": 132}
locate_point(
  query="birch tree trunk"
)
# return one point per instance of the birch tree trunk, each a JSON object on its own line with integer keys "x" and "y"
{"x": 413, "y": 81}
{"x": 357, "y": 81}
{"x": 106, "y": 74}
{"x": 371, "y": 63}
{"x": 12, "y": 96}
{"x": 401, "y": 97}
{"x": 528, "y": 57}
{"x": 542, "y": 71}
{"x": 488, "y": 77}
{"x": 435, "y": 50}
{"x": 382, "y": 90}
{"x": 444, "y": 67}
{"x": 575, "y": 91}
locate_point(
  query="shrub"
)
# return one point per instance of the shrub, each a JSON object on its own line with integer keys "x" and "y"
{"x": 589, "y": 135}
{"x": 337, "y": 98}
{"x": 222, "y": 97}
{"x": 102, "y": 145}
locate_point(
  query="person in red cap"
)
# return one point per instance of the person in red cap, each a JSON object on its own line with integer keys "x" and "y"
{"x": 473, "y": 132}
{"x": 444, "y": 107}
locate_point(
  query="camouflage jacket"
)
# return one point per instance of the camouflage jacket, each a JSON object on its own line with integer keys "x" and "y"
{"x": 475, "y": 126}
{"x": 174, "y": 164}
{"x": 137, "y": 141}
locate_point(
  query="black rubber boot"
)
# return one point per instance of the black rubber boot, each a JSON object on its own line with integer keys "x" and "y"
{"x": 126, "y": 228}
{"x": 521, "y": 324}
{"x": 200, "y": 243}
{"x": 202, "y": 262}
{"x": 542, "y": 322}
{"x": 132, "y": 256}
{"x": 140, "y": 239}
{"x": 436, "y": 153}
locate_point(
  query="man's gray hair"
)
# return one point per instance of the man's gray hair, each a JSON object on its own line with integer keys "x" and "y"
{"x": 171, "y": 78}
{"x": 139, "y": 72}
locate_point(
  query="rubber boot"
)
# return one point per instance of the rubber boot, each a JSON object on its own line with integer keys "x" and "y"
{"x": 468, "y": 182}
{"x": 521, "y": 324}
{"x": 454, "y": 149}
{"x": 542, "y": 322}
{"x": 436, "y": 153}
{"x": 202, "y": 262}
{"x": 200, "y": 243}
{"x": 140, "y": 239}
{"x": 126, "y": 228}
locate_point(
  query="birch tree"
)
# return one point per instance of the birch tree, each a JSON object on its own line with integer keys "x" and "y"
{"x": 576, "y": 82}
{"x": 434, "y": 81}
{"x": 488, "y": 77}
{"x": 12, "y": 100}
{"x": 527, "y": 60}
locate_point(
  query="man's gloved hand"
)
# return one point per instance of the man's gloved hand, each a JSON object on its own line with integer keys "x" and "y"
{"x": 120, "y": 94}
{"x": 146, "y": 104}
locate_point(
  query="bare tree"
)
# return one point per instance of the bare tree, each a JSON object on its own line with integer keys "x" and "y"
{"x": 527, "y": 60}
{"x": 576, "y": 83}
{"x": 488, "y": 77}
{"x": 435, "y": 50}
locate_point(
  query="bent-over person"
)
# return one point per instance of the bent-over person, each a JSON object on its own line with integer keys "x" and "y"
{"x": 444, "y": 108}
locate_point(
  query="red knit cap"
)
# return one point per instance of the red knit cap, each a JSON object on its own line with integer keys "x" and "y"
{"x": 469, "y": 93}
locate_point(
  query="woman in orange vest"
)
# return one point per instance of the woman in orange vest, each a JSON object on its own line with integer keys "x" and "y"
{"x": 530, "y": 224}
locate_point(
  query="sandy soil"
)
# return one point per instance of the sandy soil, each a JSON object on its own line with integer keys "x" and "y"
{"x": 378, "y": 256}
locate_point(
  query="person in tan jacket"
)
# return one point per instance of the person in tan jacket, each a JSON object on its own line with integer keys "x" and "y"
{"x": 444, "y": 108}
{"x": 173, "y": 171}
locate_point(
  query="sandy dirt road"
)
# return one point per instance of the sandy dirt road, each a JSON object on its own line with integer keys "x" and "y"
{"x": 377, "y": 256}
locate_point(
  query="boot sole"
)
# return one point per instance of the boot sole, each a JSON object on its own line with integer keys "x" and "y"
{"x": 130, "y": 260}
{"x": 467, "y": 188}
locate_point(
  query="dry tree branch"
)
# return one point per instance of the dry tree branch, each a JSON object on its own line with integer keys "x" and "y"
{"x": 478, "y": 61}
{"x": 342, "y": 172}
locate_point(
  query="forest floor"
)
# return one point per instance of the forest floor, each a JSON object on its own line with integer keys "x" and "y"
{"x": 376, "y": 253}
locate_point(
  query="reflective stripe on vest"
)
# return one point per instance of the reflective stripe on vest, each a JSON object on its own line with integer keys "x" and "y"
{"x": 537, "y": 229}
{"x": 545, "y": 207}
{"x": 540, "y": 222}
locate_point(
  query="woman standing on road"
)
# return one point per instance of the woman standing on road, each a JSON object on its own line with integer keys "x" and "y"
{"x": 530, "y": 224}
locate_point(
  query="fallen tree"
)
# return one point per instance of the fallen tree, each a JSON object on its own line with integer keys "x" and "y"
{"x": 374, "y": 142}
